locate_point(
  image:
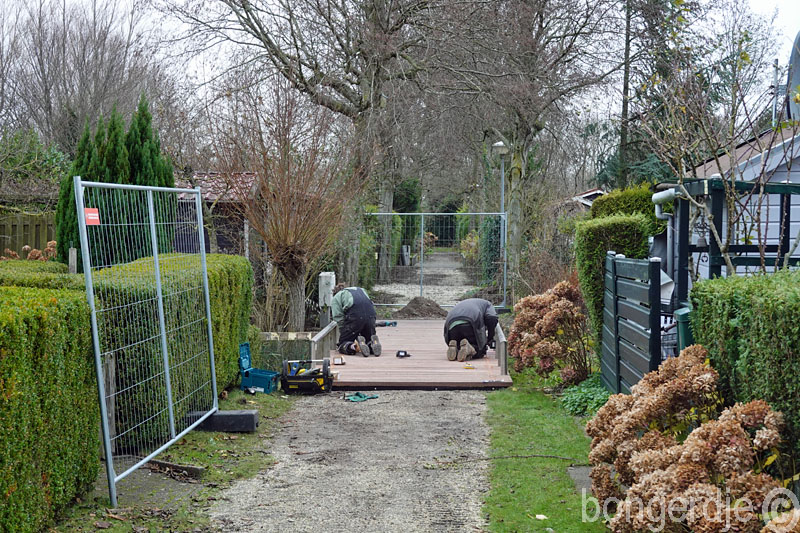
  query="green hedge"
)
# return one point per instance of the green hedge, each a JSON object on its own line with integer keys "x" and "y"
{"x": 135, "y": 325}
{"x": 369, "y": 245}
{"x": 629, "y": 201}
{"x": 230, "y": 288}
{"x": 489, "y": 248}
{"x": 39, "y": 274}
{"x": 230, "y": 281}
{"x": 16, "y": 265}
{"x": 48, "y": 405}
{"x": 751, "y": 328}
{"x": 624, "y": 234}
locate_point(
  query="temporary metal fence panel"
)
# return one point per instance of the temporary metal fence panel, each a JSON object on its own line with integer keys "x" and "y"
{"x": 631, "y": 344}
{"x": 143, "y": 253}
{"x": 440, "y": 256}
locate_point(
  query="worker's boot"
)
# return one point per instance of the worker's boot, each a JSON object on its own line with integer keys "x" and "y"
{"x": 452, "y": 350}
{"x": 375, "y": 346}
{"x": 362, "y": 346}
{"x": 466, "y": 351}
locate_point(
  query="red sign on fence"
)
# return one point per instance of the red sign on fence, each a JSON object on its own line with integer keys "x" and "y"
{"x": 92, "y": 215}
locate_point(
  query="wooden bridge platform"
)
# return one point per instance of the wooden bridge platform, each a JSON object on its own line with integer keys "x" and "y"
{"x": 427, "y": 368}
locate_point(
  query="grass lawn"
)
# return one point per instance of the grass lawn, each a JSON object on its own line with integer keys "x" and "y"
{"x": 157, "y": 503}
{"x": 525, "y": 421}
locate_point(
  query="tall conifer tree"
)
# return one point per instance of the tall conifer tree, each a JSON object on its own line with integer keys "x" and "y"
{"x": 112, "y": 156}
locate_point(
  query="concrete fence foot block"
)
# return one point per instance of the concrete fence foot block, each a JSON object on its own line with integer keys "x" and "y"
{"x": 237, "y": 421}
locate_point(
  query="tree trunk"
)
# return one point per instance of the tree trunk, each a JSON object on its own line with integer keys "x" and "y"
{"x": 348, "y": 254}
{"x": 626, "y": 76}
{"x": 296, "y": 282}
{"x": 385, "y": 249}
{"x": 515, "y": 176}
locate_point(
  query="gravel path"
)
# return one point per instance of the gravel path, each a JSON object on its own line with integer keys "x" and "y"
{"x": 397, "y": 463}
{"x": 445, "y": 281}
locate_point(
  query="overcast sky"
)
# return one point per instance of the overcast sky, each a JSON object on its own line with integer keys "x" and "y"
{"x": 788, "y": 21}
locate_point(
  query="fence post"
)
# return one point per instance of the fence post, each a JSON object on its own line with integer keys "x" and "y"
{"x": 161, "y": 321}
{"x": 327, "y": 281}
{"x": 654, "y": 295}
{"x": 73, "y": 261}
{"x": 101, "y": 390}
{"x": 421, "y": 252}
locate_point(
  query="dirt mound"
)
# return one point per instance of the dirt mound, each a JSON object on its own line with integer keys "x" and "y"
{"x": 420, "y": 307}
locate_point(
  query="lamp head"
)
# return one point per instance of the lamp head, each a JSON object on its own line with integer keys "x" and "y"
{"x": 500, "y": 148}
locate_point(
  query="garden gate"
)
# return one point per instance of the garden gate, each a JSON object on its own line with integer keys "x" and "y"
{"x": 144, "y": 262}
{"x": 631, "y": 321}
{"x": 440, "y": 256}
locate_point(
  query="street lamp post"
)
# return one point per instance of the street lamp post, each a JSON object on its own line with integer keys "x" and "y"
{"x": 501, "y": 149}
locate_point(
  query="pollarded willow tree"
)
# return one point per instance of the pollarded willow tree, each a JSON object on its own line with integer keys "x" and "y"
{"x": 287, "y": 163}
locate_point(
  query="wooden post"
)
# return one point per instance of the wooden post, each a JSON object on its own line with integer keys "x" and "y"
{"x": 327, "y": 281}
{"x": 247, "y": 238}
{"x": 73, "y": 261}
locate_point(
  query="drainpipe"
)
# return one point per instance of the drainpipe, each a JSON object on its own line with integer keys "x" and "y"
{"x": 661, "y": 198}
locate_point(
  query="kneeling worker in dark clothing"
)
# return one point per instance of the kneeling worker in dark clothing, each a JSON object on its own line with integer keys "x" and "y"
{"x": 353, "y": 311}
{"x": 469, "y": 329}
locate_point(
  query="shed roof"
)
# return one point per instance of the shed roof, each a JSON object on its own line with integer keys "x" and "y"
{"x": 778, "y": 147}
{"x": 217, "y": 187}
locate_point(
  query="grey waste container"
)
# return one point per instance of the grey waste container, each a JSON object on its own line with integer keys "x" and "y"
{"x": 685, "y": 337}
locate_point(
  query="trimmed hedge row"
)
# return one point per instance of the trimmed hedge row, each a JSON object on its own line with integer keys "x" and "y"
{"x": 624, "y": 234}
{"x": 49, "y": 418}
{"x": 230, "y": 281}
{"x": 128, "y": 295}
{"x": 42, "y": 275}
{"x": 17, "y": 265}
{"x": 629, "y": 201}
{"x": 751, "y": 328}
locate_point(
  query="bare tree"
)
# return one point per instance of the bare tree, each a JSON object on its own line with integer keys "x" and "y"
{"x": 9, "y": 53}
{"x": 713, "y": 100}
{"x": 287, "y": 164}
{"x": 527, "y": 59}
{"x": 75, "y": 62}
{"x": 344, "y": 55}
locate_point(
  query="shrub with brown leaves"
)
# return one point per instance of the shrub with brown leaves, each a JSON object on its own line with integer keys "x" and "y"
{"x": 669, "y": 448}
{"x": 550, "y": 333}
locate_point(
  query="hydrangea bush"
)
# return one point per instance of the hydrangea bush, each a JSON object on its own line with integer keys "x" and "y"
{"x": 667, "y": 447}
{"x": 550, "y": 333}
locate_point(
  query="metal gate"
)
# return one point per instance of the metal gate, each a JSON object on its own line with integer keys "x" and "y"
{"x": 445, "y": 257}
{"x": 144, "y": 261}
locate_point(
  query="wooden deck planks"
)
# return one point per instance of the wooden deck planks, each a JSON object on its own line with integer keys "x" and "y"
{"x": 427, "y": 368}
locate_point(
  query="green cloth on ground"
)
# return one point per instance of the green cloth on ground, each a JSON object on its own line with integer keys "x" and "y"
{"x": 360, "y": 397}
{"x": 455, "y": 323}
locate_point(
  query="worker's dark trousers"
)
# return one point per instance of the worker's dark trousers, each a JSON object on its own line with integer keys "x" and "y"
{"x": 465, "y": 331}
{"x": 351, "y": 328}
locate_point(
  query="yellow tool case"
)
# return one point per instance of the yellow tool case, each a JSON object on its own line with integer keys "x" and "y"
{"x": 304, "y": 377}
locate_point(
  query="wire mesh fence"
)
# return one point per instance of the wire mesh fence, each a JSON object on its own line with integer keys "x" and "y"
{"x": 144, "y": 261}
{"x": 445, "y": 257}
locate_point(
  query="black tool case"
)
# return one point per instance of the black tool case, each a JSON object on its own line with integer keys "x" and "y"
{"x": 304, "y": 377}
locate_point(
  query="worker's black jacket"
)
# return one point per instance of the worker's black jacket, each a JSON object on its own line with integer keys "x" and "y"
{"x": 362, "y": 307}
{"x": 478, "y": 312}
